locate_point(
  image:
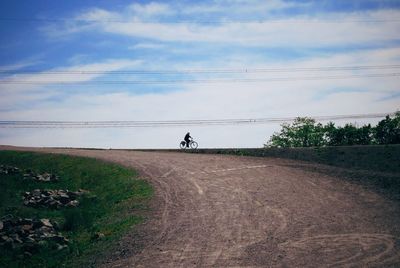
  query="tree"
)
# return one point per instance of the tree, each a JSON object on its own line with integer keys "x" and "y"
{"x": 388, "y": 130}
{"x": 304, "y": 132}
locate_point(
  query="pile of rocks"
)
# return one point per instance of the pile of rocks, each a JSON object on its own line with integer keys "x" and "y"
{"x": 46, "y": 177}
{"x": 9, "y": 170}
{"x": 30, "y": 234}
{"x": 54, "y": 199}
{"x": 29, "y": 174}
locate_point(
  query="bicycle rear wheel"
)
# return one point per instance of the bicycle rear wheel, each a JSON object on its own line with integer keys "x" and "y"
{"x": 182, "y": 145}
{"x": 193, "y": 145}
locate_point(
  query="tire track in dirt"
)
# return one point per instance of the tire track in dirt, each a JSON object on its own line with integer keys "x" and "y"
{"x": 227, "y": 211}
{"x": 348, "y": 250}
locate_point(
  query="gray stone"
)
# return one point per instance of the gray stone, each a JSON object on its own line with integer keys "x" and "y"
{"x": 27, "y": 227}
{"x": 54, "y": 199}
{"x": 26, "y": 221}
{"x": 3, "y": 238}
{"x": 61, "y": 247}
{"x": 27, "y": 254}
{"x": 73, "y": 203}
{"x": 46, "y": 222}
{"x": 99, "y": 235}
{"x": 8, "y": 170}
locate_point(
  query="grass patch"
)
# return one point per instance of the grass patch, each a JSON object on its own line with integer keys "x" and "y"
{"x": 112, "y": 207}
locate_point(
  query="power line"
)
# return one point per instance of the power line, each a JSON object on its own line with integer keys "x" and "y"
{"x": 211, "y": 71}
{"x": 174, "y": 123}
{"x": 200, "y": 21}
{"x": 198, "y": 81}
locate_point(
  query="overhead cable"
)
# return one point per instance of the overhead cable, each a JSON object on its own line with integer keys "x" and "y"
{"x": 196, "y": 81}
{"x": 204, "y": 21}
{"x": 175, "y": 123}
{"x": 208, "y": 71}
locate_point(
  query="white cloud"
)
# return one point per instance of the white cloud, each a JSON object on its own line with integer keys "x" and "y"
{"x": 16, "y": 98}
{"x": 65, "y": 75}
{"x": 340, "y": 29}
{"x": 150, "y": 9}
{"x": 147, "y": 46}
{"x": 283, "y": 33}
{"x": 19, "y": 65}
{"x": 97, "y": 14}
{"x": 231, "y": 8}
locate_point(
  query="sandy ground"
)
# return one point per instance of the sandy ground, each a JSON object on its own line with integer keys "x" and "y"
{"x": 228, "y": 211}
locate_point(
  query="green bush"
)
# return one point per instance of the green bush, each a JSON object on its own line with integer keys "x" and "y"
{"x": 306, "y": 132}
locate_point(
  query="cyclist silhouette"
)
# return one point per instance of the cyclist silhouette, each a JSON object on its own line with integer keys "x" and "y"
{"x": 187, "y": 139}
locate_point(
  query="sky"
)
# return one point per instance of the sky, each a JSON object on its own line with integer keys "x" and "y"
{"x": 192, "y": 60}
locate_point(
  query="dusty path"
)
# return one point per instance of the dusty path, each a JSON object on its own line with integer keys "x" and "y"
{"x": 226, "y": 211}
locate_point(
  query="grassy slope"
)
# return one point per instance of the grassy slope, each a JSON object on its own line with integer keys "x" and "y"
{"x": 384, "y": 158}
{"x": 115, "y": 192}
{"x": 376, "y": 165}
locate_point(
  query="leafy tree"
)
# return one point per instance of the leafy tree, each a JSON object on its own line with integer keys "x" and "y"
{"x": 304, "y": 132}
{"x": 365, "y": 135}
{"x": 388, "y": 130}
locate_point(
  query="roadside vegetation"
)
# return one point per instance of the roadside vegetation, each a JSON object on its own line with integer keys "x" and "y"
{"x": 306, "y": 132}
{"x": 114, "y": 200}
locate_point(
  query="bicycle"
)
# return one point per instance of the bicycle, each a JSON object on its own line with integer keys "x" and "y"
{"x": 192, "y": 144}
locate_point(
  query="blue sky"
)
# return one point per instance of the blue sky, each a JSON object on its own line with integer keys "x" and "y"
{"x": 109, "y": 37}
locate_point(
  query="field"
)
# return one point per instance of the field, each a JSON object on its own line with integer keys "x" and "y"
{"x": 114, "y": 204}
{"x": 218, "y": 210}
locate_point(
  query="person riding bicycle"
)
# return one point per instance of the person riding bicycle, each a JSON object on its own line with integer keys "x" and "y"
{"x": 187, "y": 139}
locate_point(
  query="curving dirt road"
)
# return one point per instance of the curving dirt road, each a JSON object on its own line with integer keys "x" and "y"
{"x": 227, "y": 211}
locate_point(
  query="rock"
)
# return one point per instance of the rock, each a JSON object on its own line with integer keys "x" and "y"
{"x": 46, "y": 222}
{"x": 27, "y": 227}
{"x": 64, "y": 198}
{"x": 18, "y": 240}
{"x": 26, "y": 221}
{"x": 27, "y": 254}
{"x": 36, "y": 193}
{"x": 73, "y": 203}
{"x": 7, "y": 224}
{"x": 55, "y": 224}
{"x": 3, "y": 238}
{"x": 59, "y": 239}
{"x": 61, "y": 247}
{"x": 99, "y": 235}
{"x": 8, "y": 170}
{"x": 44, "y": 231}
{"x": 54, "y": 199}
{"x": 29, "y": 234}
{"x": 45, "y": 177}
{"x": 30, "y": 239}
{"x": 1, "y": 226}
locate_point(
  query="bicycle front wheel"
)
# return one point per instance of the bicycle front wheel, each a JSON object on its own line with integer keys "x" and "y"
{"x": 193, "y": 145}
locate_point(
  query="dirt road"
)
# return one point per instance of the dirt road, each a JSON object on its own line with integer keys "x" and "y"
{"x": 227, "y": 211}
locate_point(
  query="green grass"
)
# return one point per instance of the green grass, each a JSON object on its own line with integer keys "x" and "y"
{"x": 114, "y": 205}
{"x": 375, "y": 166}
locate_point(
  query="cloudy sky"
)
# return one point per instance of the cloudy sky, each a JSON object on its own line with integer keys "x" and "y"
{"x": 181, "y": 60}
